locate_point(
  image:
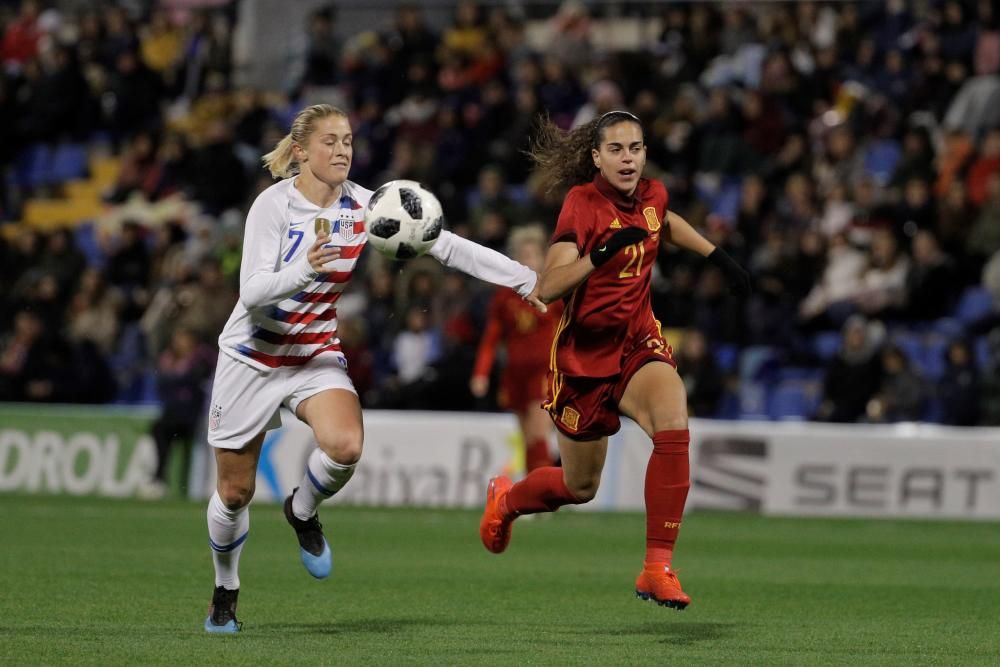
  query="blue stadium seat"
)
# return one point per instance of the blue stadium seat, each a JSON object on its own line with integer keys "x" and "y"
{"x": 753, "y": 400}
{"x": 933, "y": 411}
{"x": 68, "y": 162}
{"x": 826, "y": 344}
{"x": 759, "y": 363}
{"x": 975, "y": 304}
{"x": 880, "y": 159}
{"x": 800, "y": 373}
{"x": 786, "y": 402}
{"x": 726, "y": 202}
{"x": 86, "y": 241}
{"x": 726, "y": 356}
{"x": 33, "y": 165}
{"x": 948, "y": 326}
{"x": 932, "y": 360}
{"x": 729, "y": 406}
{"x": 912, "y": 345}
{"x": 982, "y": 352}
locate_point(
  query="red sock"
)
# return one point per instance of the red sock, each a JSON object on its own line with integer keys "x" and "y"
{"x": 543, "y": 490}
{"x": 668, "y": 478}
{"x": 536, "y": 454}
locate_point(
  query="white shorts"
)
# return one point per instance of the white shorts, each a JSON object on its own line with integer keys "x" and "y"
{"x": 246, "y": 401}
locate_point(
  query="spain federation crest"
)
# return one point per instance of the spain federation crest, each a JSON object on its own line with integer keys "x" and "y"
{"x": 651, "y": 220}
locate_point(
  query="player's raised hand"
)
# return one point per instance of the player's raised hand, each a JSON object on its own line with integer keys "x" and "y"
{"x": 623, "y": 237}
{"x": 320, "y": 256}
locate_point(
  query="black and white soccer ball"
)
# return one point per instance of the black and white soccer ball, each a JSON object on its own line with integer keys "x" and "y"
{"x": 403, "y": 219}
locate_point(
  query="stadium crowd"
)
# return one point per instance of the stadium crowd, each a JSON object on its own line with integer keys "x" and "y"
{"x": 847, "y": 153}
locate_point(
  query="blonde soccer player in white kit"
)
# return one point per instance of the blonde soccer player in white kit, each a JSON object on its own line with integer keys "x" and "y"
{"x": 303, "y": 237}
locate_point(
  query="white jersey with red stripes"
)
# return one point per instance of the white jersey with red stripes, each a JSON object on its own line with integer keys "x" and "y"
{"x": 287, "y": 313}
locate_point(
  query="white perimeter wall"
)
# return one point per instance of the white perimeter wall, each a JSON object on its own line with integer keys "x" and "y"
{"x": 445, "y": 459}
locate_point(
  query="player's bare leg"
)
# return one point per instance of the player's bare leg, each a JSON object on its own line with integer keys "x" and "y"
{"x": 543, "y": 490}
{"x": 228, "y": 528}
{"x": 335, "y": 418}
{"x": 655, "y": 398}
{"x": 535, "y": 425}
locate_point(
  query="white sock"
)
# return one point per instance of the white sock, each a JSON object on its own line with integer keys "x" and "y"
{"x": 323, "y": 478}
{"x": 227, "y": 531}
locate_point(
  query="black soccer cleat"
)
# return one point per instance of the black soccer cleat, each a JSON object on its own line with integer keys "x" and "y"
{"x": 313, "y": 547}
{"x": 222, "y": 613}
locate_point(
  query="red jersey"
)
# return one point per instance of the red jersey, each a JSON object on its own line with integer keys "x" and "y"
{"x": 613, "y": 303}
{"x": 526, "y": 333}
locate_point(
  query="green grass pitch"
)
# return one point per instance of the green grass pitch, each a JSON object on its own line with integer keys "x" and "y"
{"x": 103, "y": 582}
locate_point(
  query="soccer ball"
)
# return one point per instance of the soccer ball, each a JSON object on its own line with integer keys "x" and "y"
{"x": 403, "y": 219}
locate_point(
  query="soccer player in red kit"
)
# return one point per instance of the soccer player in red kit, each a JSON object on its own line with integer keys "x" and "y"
{"x": 526, "y": 334}
{"x": 608, "y": 356}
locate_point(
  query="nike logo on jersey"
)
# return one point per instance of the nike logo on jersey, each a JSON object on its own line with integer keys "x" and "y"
{"x": 604, "y": 249}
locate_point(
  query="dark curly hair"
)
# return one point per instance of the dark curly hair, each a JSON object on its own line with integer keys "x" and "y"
{"x": 563, "y": 159}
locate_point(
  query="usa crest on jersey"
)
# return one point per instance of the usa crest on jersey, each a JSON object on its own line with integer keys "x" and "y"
{"x": 345, "y": 228}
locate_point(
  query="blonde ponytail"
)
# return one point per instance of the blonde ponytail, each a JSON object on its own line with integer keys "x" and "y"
{"x": 281, "y": 161}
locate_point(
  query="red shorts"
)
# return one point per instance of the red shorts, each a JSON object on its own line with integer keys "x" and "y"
{"x": 585, "y": 408}
{"x": 522, "y": 388}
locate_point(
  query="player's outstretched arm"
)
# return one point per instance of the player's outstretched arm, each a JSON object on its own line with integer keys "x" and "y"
{"x": 682, "y": 234}
{"x": 565, "y": 268}
{"x": 481, "y": 262}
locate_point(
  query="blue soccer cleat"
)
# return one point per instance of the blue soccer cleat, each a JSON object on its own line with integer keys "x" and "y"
{"x": 222, "y": 614}
{"x": 313, "y": 547}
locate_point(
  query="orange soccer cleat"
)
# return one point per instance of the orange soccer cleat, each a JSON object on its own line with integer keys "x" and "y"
{"x": 657, "y": 582}
{"x": 494, "y": 529}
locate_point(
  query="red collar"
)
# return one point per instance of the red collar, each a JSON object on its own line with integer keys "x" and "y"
{"x": 614, "y": 194}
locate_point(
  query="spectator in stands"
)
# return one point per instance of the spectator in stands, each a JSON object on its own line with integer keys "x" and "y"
{"x": 959, "y": 388}
{"x": 989, "y": 388}
{"x": 182, "y": 372}
{"x": 984, "y": 237}
{"x": 984, "y": 166}
{"x": 134, "y": 95}
{"x": 701, "y": 375}
{"x": 917, "y": 160}
{"x": 902, "y": 392}
{"x": 734, "y": 100}
{"x": 204, "y": 303}
{"x": 140, "y": 168}
{"x": 853, "y": 375}
{"x": 16, "y": 353}
{"x": 415, "y": 350}
{"x": 882, "y": 288}
{"x": 218, "y": 176}
{"x": 492, "y": 196}
{"x": 94, "y": 312}
{"x": 840, "y": 281}
{"x": 354, "y": 342}
{"x": 161, "y": 46}
{"x": 20, "y": 39}
{"x": 322, "y": 53}
{"x": 954, "y": 219}
{"x": 931, "y": 284}
{"x": 62, "y": 259}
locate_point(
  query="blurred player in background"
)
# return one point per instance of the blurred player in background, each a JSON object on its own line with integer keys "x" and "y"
{"x": 609, "y": 357}
{"x": 302, "y": 240}
{"x": 526, "y": 335}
